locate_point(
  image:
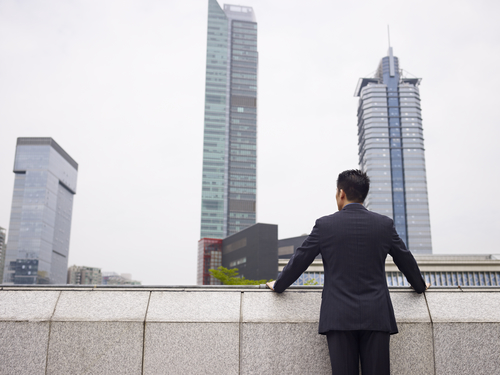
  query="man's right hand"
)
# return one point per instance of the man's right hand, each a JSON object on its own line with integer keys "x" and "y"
{"x": 427, "y": 286}
{"x": 270, "y": 284}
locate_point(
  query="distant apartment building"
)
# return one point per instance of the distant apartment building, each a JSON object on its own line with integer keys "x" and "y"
{"x": 113, "y": 278}
{"x": 2, "y": 251}
{"x": 42, "y": 207}
{"x": 81, "y": 275}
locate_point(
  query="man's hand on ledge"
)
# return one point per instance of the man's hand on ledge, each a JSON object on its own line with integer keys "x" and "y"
{"x": 270, "y": 285}
{"x": 427, "y": 286}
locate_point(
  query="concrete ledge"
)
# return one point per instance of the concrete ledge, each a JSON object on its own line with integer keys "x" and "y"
{"x": 230, "y": 330}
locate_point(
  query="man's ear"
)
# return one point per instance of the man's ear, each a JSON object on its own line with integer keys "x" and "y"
{"x": 342, "y": 194}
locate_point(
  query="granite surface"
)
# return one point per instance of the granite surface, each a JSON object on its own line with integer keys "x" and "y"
{"x": 222, "y": 307}
{"x": 410, "y": 307}
{"x": 289, "y": 306}
{"x": 95, "y": 348}
{"x": 191, "y": 348}
{"x": 283, "y": 348}
{"x": 467, "y": 348}
{"x": 464, "y": 306}
{"x": 412, "y": 350}
{"x": 23, "y": 347}
{"x": 231, "y": 332}
{"x": 93, "y": 306}
{"x": 27, "y": 305}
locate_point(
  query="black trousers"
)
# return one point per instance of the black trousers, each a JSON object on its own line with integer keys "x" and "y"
{"x": 349, "y": 348}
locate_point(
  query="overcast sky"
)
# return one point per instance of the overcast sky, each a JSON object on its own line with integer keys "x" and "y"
{"x": 120, "y": 86}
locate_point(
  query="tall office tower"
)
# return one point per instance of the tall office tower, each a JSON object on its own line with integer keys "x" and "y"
{"x": 40, "y": 221}
{"x": 391, "y": 151}
{"x": 2, "y": 252}
{"x": 230, "y": 135}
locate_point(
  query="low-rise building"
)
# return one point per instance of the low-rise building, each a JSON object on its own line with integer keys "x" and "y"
{"x": 438, "y": 270}
{"x": 81, "y": 275}
{"x": 112, "y": 278}
{"x": 253, "y": 251}
{"x": 209, "y": 257}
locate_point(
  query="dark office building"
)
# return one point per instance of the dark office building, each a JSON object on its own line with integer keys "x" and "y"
{"x": 254, "y": 251}
{"x": 287, "y": 246}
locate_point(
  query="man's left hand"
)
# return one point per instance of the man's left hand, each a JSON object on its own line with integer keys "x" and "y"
{"x": 270, "y": 285}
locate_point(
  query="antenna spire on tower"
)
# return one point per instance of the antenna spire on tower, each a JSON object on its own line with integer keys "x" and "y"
{"x": 389, "y": 36}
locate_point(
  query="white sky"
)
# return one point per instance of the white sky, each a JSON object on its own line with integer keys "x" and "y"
{"x": 120, "y": 86}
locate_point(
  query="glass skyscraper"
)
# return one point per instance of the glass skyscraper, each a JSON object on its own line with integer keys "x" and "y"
{"x": 3, "y": 236}
{"x": 40, "y": 221}
{"x": 230, "y": 129}
{"x": 391, "y": 151}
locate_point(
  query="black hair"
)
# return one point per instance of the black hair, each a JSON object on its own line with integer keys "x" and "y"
{"x": 355, "y": 184}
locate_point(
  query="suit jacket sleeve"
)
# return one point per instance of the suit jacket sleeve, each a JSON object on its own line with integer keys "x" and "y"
{"x": 406, "y": 263}
{"x": 299, "y": 262}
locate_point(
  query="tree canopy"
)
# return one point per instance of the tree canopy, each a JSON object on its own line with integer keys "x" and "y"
{"x": 230, "y": 277}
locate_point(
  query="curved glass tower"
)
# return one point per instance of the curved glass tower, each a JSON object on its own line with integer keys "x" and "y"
{"x": 391, "y": 151}
{"x": 230, "y": 132}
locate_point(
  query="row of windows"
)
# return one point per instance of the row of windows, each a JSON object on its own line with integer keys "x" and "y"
{"x": 243, "y": 121}
{"x": 243, "y": 69}
{"x": 248, "y": 82}
{"x": 235, "y": 263}
{"x": 251, "y": 94}
{"x": 246, "y": 42}
{"x": 246, "y": 25}
{"x": 244, "y": 31}
{"x": 244, "y": 36}
{"x": 434, "y": 278}
{"x": 244, "y": 59}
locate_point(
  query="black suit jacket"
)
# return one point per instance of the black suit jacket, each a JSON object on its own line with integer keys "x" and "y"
{"x": 354, "y": 244}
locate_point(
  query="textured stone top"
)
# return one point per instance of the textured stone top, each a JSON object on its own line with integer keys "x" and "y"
{"x": 227, "y": 304}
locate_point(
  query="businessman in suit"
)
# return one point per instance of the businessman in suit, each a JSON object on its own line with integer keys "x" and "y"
{"x": 356, "y": 310}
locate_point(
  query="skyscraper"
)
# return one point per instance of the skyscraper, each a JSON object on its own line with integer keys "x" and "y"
{"x": 2, "y": 252}
{"x": 40, "y": 221}
{"x": 230, "y": 130}
{"x": 391, "y": 151}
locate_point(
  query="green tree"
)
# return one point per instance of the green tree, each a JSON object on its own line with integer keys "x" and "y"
{"x": 230, "y": 277}
{"x": 311, "y": 282}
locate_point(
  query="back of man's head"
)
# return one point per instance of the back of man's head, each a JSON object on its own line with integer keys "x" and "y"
{"x": 355, "y": 184}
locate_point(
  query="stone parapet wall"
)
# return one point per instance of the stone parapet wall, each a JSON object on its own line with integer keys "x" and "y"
{"x": 230, "y": 330}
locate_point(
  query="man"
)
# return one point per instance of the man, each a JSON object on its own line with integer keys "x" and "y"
{"x": 356, "y": 310}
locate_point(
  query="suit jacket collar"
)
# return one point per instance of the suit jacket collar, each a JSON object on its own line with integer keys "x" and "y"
{"x": 354, "y": 206}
